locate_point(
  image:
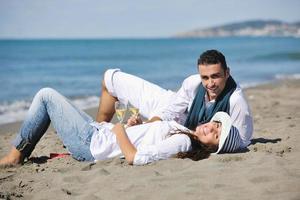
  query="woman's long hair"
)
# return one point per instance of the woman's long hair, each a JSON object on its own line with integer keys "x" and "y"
{"x": 199, "y": 151}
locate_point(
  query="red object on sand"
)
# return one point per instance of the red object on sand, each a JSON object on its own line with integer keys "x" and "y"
{"x": 58, "y": 155}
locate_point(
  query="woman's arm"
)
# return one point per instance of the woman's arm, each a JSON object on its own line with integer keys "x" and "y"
{"x": 125, "y": 144}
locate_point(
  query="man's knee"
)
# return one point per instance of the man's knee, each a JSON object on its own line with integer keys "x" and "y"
{"x": 105, "y": 92}
{"x": 103, "y": 85}
{"x": 107, "y": 81}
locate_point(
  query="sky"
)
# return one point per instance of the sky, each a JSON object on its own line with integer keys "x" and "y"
{"x": 131, "y": 19}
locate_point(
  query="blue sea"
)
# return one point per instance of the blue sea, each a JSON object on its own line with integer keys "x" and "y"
{"x": 75, "y": 67}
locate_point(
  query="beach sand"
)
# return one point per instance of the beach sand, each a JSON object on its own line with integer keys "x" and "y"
{"x": 269, "y": 169}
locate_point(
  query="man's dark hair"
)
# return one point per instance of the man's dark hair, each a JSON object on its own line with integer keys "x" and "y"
{"x": 210, "y": 57}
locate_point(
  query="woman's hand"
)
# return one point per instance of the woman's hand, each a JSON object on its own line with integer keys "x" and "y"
{"x": 134, "y": 120}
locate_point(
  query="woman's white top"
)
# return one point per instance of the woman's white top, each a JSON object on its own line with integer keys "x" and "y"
{"x": 152, "y": 141}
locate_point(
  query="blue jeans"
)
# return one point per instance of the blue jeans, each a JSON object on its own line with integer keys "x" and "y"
{"x": 72, "y": 125}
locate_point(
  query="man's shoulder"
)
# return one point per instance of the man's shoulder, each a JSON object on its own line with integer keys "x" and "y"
{"x": 191, "y": 83}
{"x": 192, "y": 80}
{"x": 193, "y": 77}
{"x": 238, "y": 95}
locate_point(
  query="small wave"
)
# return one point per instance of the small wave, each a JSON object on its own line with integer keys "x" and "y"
{"x": 287, "y": 76}
{"x": 12, "y": 112}
{"x": 16, "y": 111}
{"x": 86, "y": 102}
{"x": 276, "y": 77}
{"x": 252, "y": 84}
{"x": 294, "y": 56}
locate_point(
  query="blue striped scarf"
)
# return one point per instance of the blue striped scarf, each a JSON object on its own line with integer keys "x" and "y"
{"x": 198, "y": 113}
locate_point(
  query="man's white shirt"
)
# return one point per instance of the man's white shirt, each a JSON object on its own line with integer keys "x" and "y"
{"x": 181, "y": 102}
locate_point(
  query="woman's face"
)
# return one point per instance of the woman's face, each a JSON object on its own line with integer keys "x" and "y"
{"x": 209, "y": 133}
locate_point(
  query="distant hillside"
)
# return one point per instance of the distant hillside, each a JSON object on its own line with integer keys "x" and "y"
{"x": 247, "y": 28}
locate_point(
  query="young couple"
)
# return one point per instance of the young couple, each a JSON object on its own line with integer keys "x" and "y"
{"x": 208, "y": 114}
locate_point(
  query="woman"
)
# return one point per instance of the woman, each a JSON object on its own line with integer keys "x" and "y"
{"x": 87, "y": 140}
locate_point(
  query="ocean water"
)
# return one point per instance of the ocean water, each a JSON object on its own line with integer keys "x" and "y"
{"x": 75, "y": 67}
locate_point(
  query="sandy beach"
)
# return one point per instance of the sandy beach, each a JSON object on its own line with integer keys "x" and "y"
{"x": 268, "y": 169}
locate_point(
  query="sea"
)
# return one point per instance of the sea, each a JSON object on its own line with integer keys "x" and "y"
{"x": 75, "y": 67}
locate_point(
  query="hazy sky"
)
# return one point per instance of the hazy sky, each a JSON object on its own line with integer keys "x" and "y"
{"x": 125, "y": 18}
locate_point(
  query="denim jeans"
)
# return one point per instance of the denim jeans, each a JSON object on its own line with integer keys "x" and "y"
{"x": 72, "y": 125}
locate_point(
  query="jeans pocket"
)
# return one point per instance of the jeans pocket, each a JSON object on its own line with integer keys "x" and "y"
{"x": 80, "y": 147}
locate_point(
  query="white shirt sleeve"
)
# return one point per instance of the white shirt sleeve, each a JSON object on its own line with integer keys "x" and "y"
{"x": 179, "y": 105}
{"x": 147, "y": 153}
{"x": 241, "y": 116}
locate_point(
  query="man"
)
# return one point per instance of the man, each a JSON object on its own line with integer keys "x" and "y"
{"x": 198, "y": 99}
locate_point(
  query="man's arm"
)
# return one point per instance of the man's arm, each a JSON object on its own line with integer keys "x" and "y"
{"x": 180, "y": 102}
{"x": 125, "y": 144}
{"x": 241, "y": 116}
{"x": 136, "y": 120}
{"x": 177, "y": 105}
{"x": 153, "y": 119}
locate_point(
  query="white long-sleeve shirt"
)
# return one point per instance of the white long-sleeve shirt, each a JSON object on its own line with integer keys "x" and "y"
{"x": 239, "y": 112}
{"x": 152, "y": 141}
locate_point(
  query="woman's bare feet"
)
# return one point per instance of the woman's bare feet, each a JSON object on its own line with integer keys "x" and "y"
{"x": 14, "y": 157}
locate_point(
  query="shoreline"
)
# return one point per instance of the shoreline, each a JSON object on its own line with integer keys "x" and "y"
{"x": 268, "y": 169}
{"x": 14, "y": 126}
{"x": 92, "y": 111}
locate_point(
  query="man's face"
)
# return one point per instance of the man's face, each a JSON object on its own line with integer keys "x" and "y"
{"x": 213, "y": 78}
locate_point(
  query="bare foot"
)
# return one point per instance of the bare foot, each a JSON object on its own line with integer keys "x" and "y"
{"x": 13, "y": 158}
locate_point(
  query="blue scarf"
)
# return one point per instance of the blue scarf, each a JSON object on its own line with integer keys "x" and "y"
{"x": 198, "y": 113}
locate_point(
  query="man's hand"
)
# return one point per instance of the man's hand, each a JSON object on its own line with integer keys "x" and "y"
{"x": 136, "y": 120}
{"x": 153, "y": 119}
